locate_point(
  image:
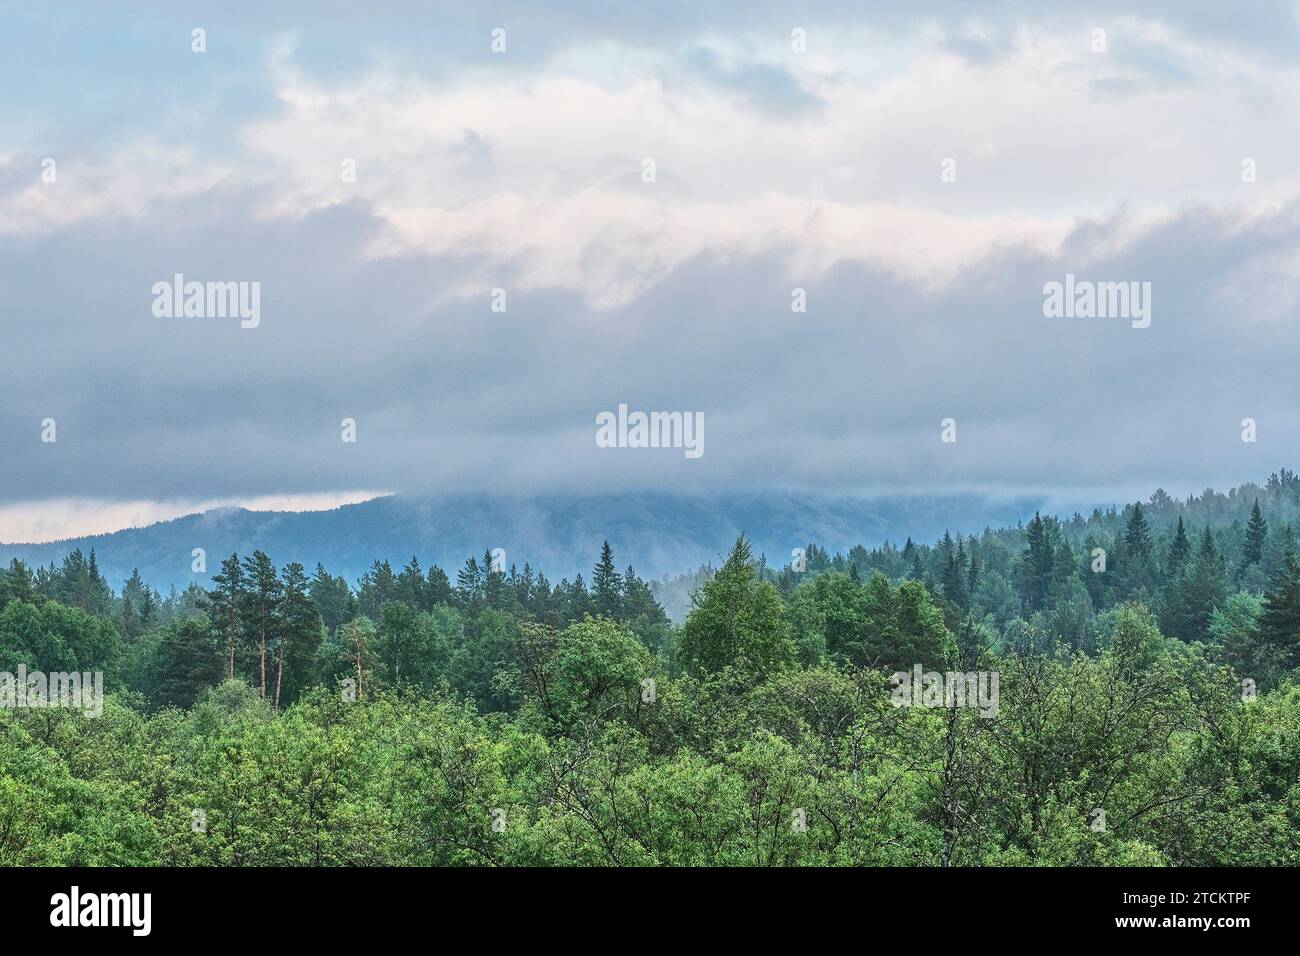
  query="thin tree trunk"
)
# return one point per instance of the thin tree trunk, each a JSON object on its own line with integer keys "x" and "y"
{"x": 359, "y": 693}
{"x": 279, "y": 672}
{"x": 264, "y": 663}
{"x": 949, "y": 791}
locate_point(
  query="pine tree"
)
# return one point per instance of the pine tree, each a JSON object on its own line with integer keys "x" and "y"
{"x": 494, "y": 579}
{"x": 78, "y": 583}
{"x": 954, "y": 570}
{"x": 818, "y": 558}
{"x": 639, "y": 602}
{"x": 607, "y": 585}
{"x": 1256, "y": 532}
{"x": 541, "y": 601}
{"x": 378, "y": 589}
{"x": 512, "y": 582}
{"x": 17, "y": 584}
{"x": 1094, "y": 581}
{"x": 298, "y": 627}
{"x": 226, "y": 606}
{"x": 129, "y": 623}
{"x": 356, "y": 637}
{"x": 1137, "y": 568}
{"x": 134, "y": 595}
{"x": 410, "y": 585}
{"x": 438, "y": 588}
{"x": 1279, "y": 625}
{"x": 1208, "y": 549}
{"x": 261, "y": 600}
{"x": 100, "y": 594}
{"x": 1137, "y": 536}
{"x": 1180, "y": 549}
{"x": 1176, "y": 614}
{"x": 524, "y": 587}
{"x": 911, "y": 555}
{"x": 190, "y": 661}
{"x": 1064, "y": 569}
{"x": 577, "y": 601}
{"x": 332, "y": 597}
{"x": 469, "y": 583}
{"x": 1036, "y": 565}
{"x": 149, "y": 606}
{"x": 1201, "y": 589}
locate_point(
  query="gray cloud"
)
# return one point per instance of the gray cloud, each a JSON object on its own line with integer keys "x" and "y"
{"x": 452, "y": 396}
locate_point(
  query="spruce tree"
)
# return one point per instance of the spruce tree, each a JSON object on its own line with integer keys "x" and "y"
{"x": 149, "y": 606}
{"x": 541, "y": 600}
{"x": 135, "y": 597}
{"x": 1180, "y": 549}
{"x": 577, "y": 601}
{"x": 411, "y": 587}
{"x": 1203, "y": 590}
{"x": 1256, "y": 532}
{"x": 494, "y": 580}
{"x": 100, "y": 595}
{"x": 1279, "y": 625}
{"x": 1137, "y": 535}
{"x": 1137, "y": 569}
{"x": 607, "y": 584}
{"x": 298, "y": 628}
{"x": 954, "y": 570}
{"x": 438, "y": 587}
{"x": 469, "y": 583}
{"x": 1036, "y": 565}
{"x": 1064, "y": 569}
{"x": 524, "y": 587}
{"x": 129, "y": 623}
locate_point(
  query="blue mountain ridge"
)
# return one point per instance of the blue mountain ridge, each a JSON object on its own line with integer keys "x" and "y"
{"x": 559, "y": 535}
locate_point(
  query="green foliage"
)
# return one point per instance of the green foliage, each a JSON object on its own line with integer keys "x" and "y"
{"x": 187, "y": 662}
{"x": 282, "y": 721}
{"x": 1235, "y": 639}
{"x": 51, "y": 637}
{"x": 414, "y": 648}
{"x": 737, "y": 621}
{"x": 593, "y": 670}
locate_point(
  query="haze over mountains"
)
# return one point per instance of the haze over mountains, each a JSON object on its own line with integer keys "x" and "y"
{"x": 559, "y": 535}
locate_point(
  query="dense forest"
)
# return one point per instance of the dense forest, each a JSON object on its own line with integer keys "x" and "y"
{"x": 1148, "y": 706}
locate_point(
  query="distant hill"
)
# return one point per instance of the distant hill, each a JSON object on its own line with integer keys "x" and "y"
{"x": 559, "y": 535}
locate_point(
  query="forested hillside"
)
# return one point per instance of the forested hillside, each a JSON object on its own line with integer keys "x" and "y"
{"x": 660, "y": 533}
{"x": 1147, "y": 709}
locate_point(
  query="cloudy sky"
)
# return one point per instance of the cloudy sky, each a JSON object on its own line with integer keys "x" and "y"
{"x": 919, "y": 170}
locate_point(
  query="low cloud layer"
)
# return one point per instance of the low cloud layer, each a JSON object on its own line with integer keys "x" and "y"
{"x": 1167, "y": 158}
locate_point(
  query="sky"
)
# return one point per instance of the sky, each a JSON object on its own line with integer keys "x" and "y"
{"x": 648, "y": 190}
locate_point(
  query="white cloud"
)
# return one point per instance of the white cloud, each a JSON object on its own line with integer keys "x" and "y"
{"x": 129, "y": 182}
{"x": 539, "y": 173}
{"x": 56, "y": 519}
